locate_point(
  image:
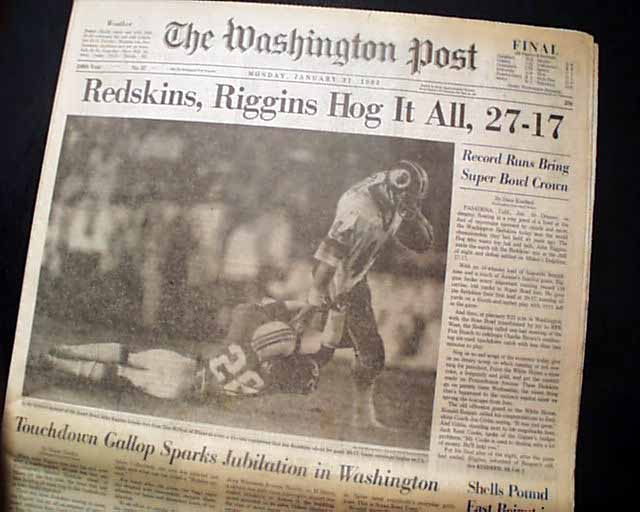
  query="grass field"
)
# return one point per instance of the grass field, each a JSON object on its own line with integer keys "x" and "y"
{"x": 404, "y": 398}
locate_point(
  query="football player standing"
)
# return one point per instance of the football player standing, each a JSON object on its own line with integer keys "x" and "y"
{"x": 383, "y": 206}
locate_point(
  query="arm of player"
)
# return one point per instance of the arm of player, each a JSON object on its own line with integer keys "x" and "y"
{"x": 317, "y": 297}
{"x": 281, "y": 310}
{"x": 427, "y": 230}
{"x": 322, "y": 276}
{"x": 330, "y": 253}
{"x": 293, "y": 306}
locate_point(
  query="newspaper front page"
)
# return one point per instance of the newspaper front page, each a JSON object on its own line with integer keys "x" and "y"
{"x": 289, "y": 258}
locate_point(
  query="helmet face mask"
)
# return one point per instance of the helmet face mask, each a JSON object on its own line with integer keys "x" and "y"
{"x": 408, "y": 205}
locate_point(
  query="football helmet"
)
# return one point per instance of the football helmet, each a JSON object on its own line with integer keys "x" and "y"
{"x": 274, "y": 339}
{"x": 409, "y": 184}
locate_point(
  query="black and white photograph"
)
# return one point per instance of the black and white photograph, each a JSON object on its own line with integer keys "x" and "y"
{"x": 273, "y": 279}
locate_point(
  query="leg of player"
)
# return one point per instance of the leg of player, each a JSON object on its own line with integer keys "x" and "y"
{"x": 364, "y": 409}
{"x": 93, "y": 371}
{"x": 92, "y": 361}
{"x": 369, "y": 347}
{"x": 161, "y": 373}
{"x": 100, "y": 352}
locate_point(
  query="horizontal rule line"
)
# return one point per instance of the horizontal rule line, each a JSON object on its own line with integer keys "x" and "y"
{"x": 337, "y": 73}
{"x": 350, "y": 86}
{"x": 516, "y": 149}
{"x": 513, "y": 193}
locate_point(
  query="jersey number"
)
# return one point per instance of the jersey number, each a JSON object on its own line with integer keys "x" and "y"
{"x": 243, "y": 381}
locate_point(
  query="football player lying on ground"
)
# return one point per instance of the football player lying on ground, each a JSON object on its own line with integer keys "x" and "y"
{"x": 259, "y": 355}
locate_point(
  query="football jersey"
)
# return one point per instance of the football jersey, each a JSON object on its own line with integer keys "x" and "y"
{"x": 233, "y": 367}
{"x": 362, "y": 225}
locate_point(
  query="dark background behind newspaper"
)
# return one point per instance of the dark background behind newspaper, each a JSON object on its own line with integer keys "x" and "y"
{"x": 31, "y": 40}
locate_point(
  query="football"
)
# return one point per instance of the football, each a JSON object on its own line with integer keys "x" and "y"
{"x": 415, "y": 234}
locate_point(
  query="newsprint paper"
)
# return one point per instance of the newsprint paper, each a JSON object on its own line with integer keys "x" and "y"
{"x": 290, "y": 258}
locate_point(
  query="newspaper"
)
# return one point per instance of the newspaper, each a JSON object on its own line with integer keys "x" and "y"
{"x": 290, "y": 258}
